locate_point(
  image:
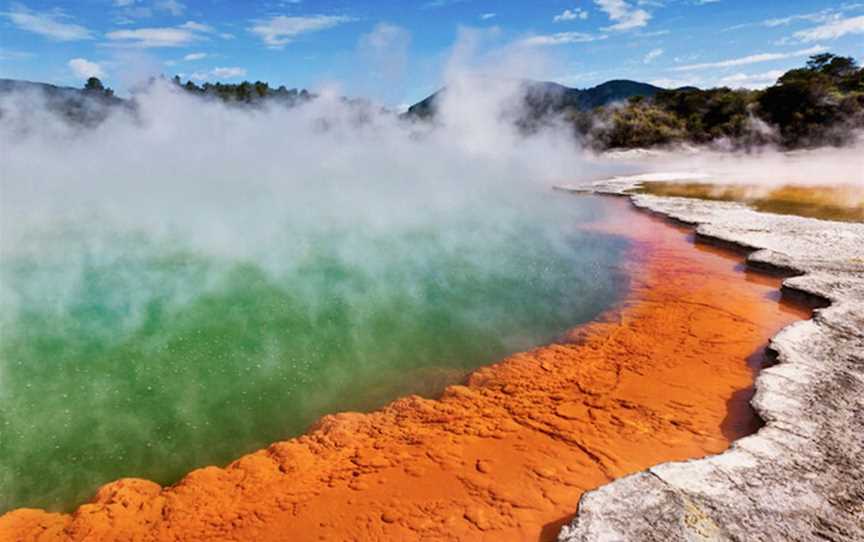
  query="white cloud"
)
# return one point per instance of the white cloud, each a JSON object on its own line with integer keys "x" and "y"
{"x": 198, "y": 27}
{"x": 561, "y": 38}
{"x": 571, "y": 15}
{"x": 171, "y": 6}
{"x": 652, "y": 55}
{"x": 653, "y": 34}
{"x": 624, "y": 15}
{"x": 579, "y": 78}
{"x": 172, "y": 36}
{"x": 84, "y": 69}
{"x": 752, "y": 80}
{"x": 833, "y": 30}
{"x": 228, "y": 73}
{"x": 153, "y": 37}
{"x": 281, "y": 30}
{"x": 384, "y": 52}
{"x": 434, "y": 4}
{"x": 676, "y": 83}
{"x": 136, "y": 9}
{"x": 219, "y": 73}
{"x": 8, "y": 54}
{"x": 751, "y": 59}
{"x": 48, "y": 24}
{"x": 194, "y": 56}
{"x": 385, "y": 37}
{"x": 823, "y": 16}
{"x": 817, "y": 17}
{"x": 487, "y": 16}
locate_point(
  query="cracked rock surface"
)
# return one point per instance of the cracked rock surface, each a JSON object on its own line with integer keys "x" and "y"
{"x": 801, "y": 477}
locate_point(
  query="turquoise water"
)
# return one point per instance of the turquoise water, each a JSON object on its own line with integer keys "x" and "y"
{"x": 130, "y": 353}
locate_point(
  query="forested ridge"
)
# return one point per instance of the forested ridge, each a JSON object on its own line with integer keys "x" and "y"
{"x": 821, "y": 103}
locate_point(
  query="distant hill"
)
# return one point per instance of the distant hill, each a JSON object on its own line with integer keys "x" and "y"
{"x": 64, "y": 93}
{"x": 821, "y": 103}
{"x": 543, "y": 98}
{"x": 87, "y": 106}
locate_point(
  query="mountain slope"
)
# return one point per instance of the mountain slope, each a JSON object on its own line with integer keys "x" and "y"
{"x": 82, "y": 106}
{"x": 543, "y": 98}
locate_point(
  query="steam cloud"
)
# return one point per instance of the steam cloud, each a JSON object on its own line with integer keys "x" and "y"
{"x": 190, "y": 270}
{"x": 764, "y": 167}
{"x": 338, "y": 212}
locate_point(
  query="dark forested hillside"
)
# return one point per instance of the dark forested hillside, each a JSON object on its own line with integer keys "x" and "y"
{"x": 91, "y": 104}
{"x": 545, "y": 98}
{"x": 819, "y": 104}
{"x": 246, "y": 92}
{"x": 86, "y": 106}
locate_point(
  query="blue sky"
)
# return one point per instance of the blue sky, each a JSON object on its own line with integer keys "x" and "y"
{"x": 396, "y": 51}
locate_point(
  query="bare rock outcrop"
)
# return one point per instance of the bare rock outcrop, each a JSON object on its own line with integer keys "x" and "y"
{"x": 801, "y": 477}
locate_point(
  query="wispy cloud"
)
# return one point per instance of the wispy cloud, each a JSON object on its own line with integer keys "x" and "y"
{"x": 677, "y": 83}
{"x": 561, "y": 38}
{"x": 822, "y": 16}
{"x": 751, "y": 59}
{"x": 197, "y": 27}
{"x": 84, "y": 69}
{"x": 487, "y": 16}
{"x": 571, "y": 15}
{"x": 818, "y": 17}
{"x": 652, "y": 55}
{"x": 653, "y": 34}
{"x": 8, "y": 54}
{"x": 433, "y": 4}
{"x": 833, "y": 30}
{"x": 171, "y": 6}
{"x": 219, "y": 73}
{"x": 624, "y": 15}
{"x": 281, "y": 30}
{"x": 171, "y": 36}
{"x": 750, "y": 80}
{"x": 128, "y": 10}
{"x": 153, "y": 37}
{"x": 735, "y": 80}
{"x": 51, "y": 24}
{"x": 228, "y": 73}
{"x": 194, "y": 56}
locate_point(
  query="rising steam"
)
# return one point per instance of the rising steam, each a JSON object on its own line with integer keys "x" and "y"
{"x": 188, "y": 270}
{"x": 188, "y": 281}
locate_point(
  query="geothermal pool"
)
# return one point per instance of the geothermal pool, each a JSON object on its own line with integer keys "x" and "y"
{"x": 130, "y": 351}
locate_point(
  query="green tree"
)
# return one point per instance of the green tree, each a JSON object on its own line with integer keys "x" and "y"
{"x": 94, "y": 87}
{"x": 815, "y": 105}
{"x": 832, "y": 65}
{"x": 93, "y": 84}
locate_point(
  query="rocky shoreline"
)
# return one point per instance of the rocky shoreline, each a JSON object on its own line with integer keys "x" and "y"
{"x": 801, "y": 477}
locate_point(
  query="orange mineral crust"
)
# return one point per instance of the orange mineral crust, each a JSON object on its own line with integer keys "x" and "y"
{"x": 666, "y": 375}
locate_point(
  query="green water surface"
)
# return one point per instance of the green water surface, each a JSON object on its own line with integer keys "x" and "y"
{"x": 131, "y": 354}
